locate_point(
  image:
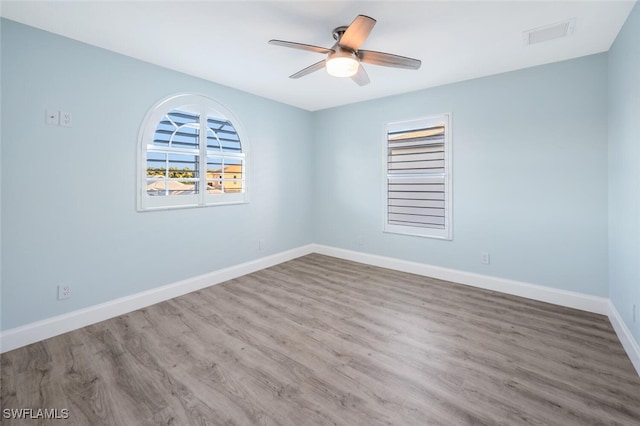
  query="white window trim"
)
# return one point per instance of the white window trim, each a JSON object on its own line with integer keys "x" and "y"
{"x": 447, "y": 232}
{"x": 200, "y": 102}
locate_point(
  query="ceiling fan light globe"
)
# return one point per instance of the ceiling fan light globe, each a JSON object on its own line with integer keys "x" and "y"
{"x": 342, "y": 66}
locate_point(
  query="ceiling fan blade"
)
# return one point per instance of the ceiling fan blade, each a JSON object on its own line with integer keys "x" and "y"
{"x": 388, "y": 60}
{"x": 301, "y": 46}
{"x": 308, "y": 70}
{"x": 361, "y": 77}
{"x": 357, "y": 32}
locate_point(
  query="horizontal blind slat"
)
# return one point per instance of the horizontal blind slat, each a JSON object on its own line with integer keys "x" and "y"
{"x": 429, "y": 164}
{"x": 425, "y": 179}
{"x": 433, "y": 220}
{"x": 416, "y": 142}
{"x": 417, "y": 225}
{"x": 434, "y": 131}
{"x": 420, "y": 156}
{"x": 416, "y": 196}
{"x": 416, "y": 202}
{"x": 425, "y": 149}
{"x": 416, "y": 188}
{"x": 437, "y": 170}
{"x": 420, "y": 211}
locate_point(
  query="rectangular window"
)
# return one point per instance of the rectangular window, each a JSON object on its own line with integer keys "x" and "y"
{"x": 418, "y": 177}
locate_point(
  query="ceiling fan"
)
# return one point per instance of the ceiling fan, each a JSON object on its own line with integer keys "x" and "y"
{"x": 345, "y": 56}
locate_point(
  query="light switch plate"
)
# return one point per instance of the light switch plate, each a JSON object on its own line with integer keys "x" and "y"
{"x": 65, "y": 119}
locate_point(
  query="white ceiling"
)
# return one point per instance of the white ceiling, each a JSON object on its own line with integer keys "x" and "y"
{"x": 226, "y": 41}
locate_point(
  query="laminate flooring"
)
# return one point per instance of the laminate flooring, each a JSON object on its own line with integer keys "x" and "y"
{"x": 323, "y": 341}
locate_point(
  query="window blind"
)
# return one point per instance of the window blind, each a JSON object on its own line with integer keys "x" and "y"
{"x": 417, "y": 184}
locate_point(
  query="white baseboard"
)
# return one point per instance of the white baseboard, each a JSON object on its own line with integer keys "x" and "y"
{"x": 626, "y": 338}
{"x": 39, "y": 330}
{"x": 585, "y": 302}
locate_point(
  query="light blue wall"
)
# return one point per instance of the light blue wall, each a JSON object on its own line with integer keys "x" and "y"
{"x": 530, "y": 178}
{"x": 624, "y": 171}
{"x": 529, "y": 175}
{"x": 68, "y": 194}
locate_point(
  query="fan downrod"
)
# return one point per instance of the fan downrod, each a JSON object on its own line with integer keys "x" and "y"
{"x": 338, "y": 32}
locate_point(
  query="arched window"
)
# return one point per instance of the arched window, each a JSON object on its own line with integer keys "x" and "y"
{"x": 178, "y": 167}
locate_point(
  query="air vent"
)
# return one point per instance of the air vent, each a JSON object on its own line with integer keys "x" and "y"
{"x": 549, "y": 32}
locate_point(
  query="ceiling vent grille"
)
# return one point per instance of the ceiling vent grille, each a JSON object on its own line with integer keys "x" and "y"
{"x": 549, "y": 32}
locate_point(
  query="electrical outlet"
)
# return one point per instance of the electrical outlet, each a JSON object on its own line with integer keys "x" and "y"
{"x": 261, "y": 243}
{"x": 484, "y": 258}
{"x": 64, "y": 291}
{"x": 634, "y": 312}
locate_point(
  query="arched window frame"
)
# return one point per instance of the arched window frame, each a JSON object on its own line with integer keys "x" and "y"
{"x": 206, "y": 107}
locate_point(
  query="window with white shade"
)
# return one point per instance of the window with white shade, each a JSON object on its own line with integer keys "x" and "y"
{"x": 192, "y": 152}
{"x": 418, "y": 177}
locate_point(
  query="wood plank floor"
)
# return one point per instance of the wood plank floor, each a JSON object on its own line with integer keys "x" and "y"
{"x": 322, "y": 341}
